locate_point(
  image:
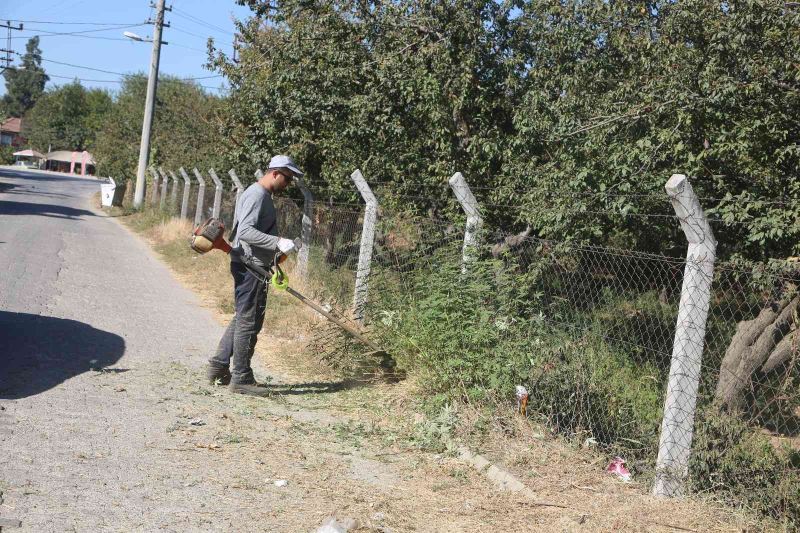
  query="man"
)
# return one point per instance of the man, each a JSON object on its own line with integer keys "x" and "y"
{"x": 256, "y": 238}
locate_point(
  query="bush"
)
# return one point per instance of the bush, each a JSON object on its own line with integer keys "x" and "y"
{"x": 7, "y": 155}
{"x": 744, "y": 467}
{"x": 475, "y": 336}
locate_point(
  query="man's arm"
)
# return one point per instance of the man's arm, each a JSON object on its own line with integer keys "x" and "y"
{"x": 248, "y": 216}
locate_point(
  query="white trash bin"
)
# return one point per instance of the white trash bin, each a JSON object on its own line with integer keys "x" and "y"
{"x": 107, "y": 193}
{"x": 110, "y": 194}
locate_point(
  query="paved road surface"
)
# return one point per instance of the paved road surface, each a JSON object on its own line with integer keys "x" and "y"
{"x": 82, "y": 303}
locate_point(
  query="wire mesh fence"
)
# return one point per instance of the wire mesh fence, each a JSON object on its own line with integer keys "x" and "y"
{"x": 599, "y": 336}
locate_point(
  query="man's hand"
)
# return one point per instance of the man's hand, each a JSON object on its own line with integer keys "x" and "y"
{"x": 286, "y": 245}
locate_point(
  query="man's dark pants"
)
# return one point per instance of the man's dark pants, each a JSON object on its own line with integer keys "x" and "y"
{"x": 239, "y": 341}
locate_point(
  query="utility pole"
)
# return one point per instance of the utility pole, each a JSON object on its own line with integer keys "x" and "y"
{"x": 8, "y": 50}
{"x": 152, "y": 82}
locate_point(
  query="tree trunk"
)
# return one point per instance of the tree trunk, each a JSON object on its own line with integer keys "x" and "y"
{"x": 757, "y": 342}
{"x": 782, "y": 352}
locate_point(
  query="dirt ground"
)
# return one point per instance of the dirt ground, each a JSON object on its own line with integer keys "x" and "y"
{"x": 357, "y": 452}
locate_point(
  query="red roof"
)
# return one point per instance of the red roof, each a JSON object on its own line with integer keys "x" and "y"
{"x": 11, "y": 124}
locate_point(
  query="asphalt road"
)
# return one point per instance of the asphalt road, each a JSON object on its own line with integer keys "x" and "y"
{"x": 86, "y": 313}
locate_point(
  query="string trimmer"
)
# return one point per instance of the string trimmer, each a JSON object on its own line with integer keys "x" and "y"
{"x": 210, "y": 236}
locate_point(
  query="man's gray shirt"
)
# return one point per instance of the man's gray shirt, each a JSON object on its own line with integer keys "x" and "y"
{"x": 256, "y": 225}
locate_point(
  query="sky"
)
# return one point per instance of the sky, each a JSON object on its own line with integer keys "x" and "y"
{"x": 102, "y": 45}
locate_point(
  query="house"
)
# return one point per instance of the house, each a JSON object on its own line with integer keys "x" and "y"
{"x": 72, "y": 162}
{"x": 10, "y": 132}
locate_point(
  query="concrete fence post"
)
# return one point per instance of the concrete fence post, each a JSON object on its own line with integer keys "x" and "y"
{"x": 239, "y": 189}
{"x": 173, "y": 197}
{"x": 198, "y": 213}
{"x": 164, "y": 185}
{"x": 474, "y": 220}
{"x": 154, "y": 192}
{"x": 217, "y": 193}
{"x": 307, "y": 228}
{"x": 367, "y": 241}
{"x": 677, "y": 427}
{"x": 187, "y": 190}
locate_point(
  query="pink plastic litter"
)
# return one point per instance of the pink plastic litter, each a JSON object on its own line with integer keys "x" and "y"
{"x": 617, "y": 467}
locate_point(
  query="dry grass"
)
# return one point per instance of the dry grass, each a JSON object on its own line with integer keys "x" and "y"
{"x": 171, "y": 230}
{"x": 575, "y": 477}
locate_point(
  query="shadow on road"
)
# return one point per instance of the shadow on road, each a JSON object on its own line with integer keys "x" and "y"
{"x": 6, "y": 187}
{"x": 45, "y": 210}
{"x": 38, "y": 352}
{"x": 14, "y": 189}
{"x": 35, "y": 176}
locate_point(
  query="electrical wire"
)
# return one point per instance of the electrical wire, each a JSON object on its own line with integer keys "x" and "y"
{"x": 72, "y": 23}
{"x": 80, "y": 66}
{"x": 173, "y": 28}
{"x": 211, "y": 76}
{"x": 200, "y": 22}
{"x": 80, "y": 32}
{"x": 178, "y": 45}
{"x": 82, "y": 79}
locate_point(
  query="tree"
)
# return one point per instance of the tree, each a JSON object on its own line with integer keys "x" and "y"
{"x": 407, "y": 91}
{"x": 185, "y": 128}
{"x": 67, "y": 118}
{"x": 24, "y": 85}
{"x": 620, "y": 95}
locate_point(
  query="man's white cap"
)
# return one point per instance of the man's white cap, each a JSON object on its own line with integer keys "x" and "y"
{"x": 284, "y": 161}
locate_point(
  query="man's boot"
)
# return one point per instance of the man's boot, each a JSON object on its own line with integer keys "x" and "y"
{"x": 218, "y": 374}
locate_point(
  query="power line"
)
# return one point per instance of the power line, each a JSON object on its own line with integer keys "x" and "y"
{"x": 200, "y": 22}
{"x": 190, "y": 33}
{"x": 78, "y": 34}
{"x": 172, "y": 43}
{"x": 202, "y": 77}
{"x": 167, "y": 80}
{"x": 74, "y": 23}
{"x": 96, "y": 37}
{"x": 82, "y": 79}
{"x": 120, "y": 82}
{"x": 82, "y": 67}
{"x": 81, "y": 32}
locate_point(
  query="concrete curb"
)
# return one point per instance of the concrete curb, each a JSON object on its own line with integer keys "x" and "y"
{"x": 503, "y": 479}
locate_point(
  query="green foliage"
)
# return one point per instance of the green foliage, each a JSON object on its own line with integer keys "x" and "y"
{"x": 406, "y": 91}
{"x": 435, "y": 433}
{"x": 7, "y": 155}
{"x": 24, "y": 85}
{"x": 474, "y": 336}
{"x": 595, "y": 369}
{"x": 621, "y": 96}
{"x": 184, "y": 128}
{"x": 67, "y": 118}
{"x": 745, "y": 467}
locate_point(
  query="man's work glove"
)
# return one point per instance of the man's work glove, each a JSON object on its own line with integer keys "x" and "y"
{"x": 288, "y": 245}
